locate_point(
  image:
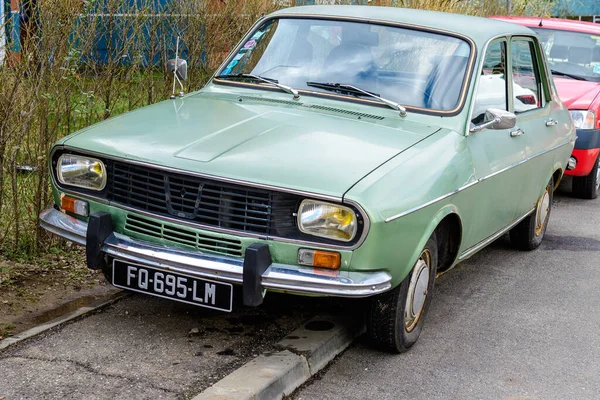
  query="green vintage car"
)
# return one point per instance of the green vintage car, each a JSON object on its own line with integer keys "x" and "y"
{"x": 338, "y": 151}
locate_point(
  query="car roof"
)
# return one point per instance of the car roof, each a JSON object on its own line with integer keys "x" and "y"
{"x": 480, "y": 30}
{"x": 553, "y": 23}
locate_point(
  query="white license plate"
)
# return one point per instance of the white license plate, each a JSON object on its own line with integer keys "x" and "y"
{"x": 174, "y": 286}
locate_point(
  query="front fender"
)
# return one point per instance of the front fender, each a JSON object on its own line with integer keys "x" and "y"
{"x": 395, "y": 246}
{"x": 407, "y": 198}
{"x": 446, "y": 210}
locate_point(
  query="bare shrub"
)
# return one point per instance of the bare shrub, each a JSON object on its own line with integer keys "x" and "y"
{"x": 82, "y": 62}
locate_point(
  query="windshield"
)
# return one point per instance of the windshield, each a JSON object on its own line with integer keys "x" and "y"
{"x": 572, "y": 53}
{"x": 410, "y": 67}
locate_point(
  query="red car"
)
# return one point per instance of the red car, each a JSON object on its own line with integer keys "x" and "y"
{"x": 573, "y": 52}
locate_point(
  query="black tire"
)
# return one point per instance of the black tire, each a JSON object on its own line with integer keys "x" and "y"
{"x": 386, "y": 325}
{"x": 587, "y": 187}
{"x": 529, "y": 233}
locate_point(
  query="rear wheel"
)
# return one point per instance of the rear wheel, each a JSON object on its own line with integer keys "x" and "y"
{"x": 587, "y": 187}
{"x": 395, "y": 318}
{"x": 529, "y": 233}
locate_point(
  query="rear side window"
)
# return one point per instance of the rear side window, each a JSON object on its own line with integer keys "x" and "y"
{"x": 527, "y": 86}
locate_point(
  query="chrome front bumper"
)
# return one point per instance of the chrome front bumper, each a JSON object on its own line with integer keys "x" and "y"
{"x": 281, "y": 277}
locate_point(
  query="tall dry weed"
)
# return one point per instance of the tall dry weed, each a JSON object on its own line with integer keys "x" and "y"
{"x": 82, "y": 62}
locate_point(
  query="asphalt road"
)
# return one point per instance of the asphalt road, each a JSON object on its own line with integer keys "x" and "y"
{"x": 503, "y": 325}
{"x": 148, "y": 348}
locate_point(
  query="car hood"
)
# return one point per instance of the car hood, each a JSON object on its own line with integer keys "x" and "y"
{"x": 577, "y": 95}
{"x": 284, "y": 145}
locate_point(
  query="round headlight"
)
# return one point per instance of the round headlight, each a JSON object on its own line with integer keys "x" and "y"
{"x": 81, "y": 171}
{"x": 327, "y": 220}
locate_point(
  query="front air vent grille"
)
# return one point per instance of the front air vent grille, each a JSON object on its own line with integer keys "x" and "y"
{"x": 183, "y": 236}
{"x": 267, "y": 100}
{"x": 347, "y": 112}
{"x": 313, "y": 107}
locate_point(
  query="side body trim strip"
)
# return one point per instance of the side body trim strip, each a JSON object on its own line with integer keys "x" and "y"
{"x": 412, "y": 210}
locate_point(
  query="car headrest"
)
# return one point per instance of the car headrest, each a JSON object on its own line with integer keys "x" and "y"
{"x": 360, "y": 36}
{"x": 445, "y": 81}
{"x": 580, "y": 55}
{"x": 348, "y": 62}
{"x": 596, "y": 54}
{"x": 559, "y": 51}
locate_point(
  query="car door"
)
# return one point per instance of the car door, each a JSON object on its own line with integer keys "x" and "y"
{"x": 536, "y": 122}
{"x": 498, "y": 156}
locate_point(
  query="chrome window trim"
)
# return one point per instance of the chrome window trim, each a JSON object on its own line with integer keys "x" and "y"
{"x": 478, "y": 74}
{"x": 417, "y": 208}
{"x": 540, "y": 60}
{"x": 317, "y": 196}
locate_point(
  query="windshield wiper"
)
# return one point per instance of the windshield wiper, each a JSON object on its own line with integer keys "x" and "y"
{"x": 577, "y": 77}
{"x": 345, "y": 88}
{"x": 274, "y": 82}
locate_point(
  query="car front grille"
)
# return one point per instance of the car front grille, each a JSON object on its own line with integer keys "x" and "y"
{"x": 203, "y": 201}
{"x": 183, "y": 236}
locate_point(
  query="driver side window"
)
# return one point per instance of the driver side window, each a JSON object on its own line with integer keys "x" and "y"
{"x": 491, "y": 91}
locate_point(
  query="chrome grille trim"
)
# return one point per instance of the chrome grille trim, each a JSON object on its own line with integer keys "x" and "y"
{"x": 138, "y": 224}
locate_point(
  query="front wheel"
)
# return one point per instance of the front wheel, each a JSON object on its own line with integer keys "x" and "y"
{"x": 587, "y": 187}
{"x": 529, "y": 233}
{"x": 395, "y": 318}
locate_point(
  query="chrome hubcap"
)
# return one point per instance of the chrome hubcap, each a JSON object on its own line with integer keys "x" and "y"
{"x": 541, "y": 213}
{"x": 417, "y": 291}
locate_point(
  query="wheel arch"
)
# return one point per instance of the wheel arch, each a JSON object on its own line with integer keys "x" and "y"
{"x": 557, "y": 176}
{"x": 449, "y": 237}
{"x": 447, "y": 226}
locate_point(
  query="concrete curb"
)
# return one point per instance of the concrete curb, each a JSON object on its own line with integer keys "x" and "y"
{"x": 300, "y": 355}
{"x": 80, "y": 312}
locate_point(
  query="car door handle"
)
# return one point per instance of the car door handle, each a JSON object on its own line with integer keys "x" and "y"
{"x": 551, "y": 122}
{"x": 517, "y": 132}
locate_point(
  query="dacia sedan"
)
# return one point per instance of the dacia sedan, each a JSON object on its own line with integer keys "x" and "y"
{"x": 338, "y": 151}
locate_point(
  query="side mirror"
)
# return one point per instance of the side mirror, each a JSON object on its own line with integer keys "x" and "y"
{"x": 179, "y": 66}
{"x": 495, "y": 119}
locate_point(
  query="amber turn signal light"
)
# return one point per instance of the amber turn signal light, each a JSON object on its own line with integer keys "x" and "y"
{"x": 74, "y": 206}
{"x": 319, "y": 258}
